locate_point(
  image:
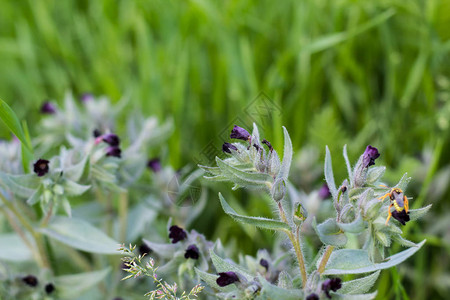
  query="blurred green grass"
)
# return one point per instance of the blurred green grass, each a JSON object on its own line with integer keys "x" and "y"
{"x": 341, "y": 72}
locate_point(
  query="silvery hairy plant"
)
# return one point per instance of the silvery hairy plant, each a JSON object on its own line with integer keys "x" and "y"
{"x": 367, "y": 216}
{"x": 70, "y": 194}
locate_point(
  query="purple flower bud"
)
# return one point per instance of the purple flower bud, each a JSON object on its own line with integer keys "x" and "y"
{"x": 312, "y": 297}
{"x": 239, "y": 133}
{"x": 324, "y": 191}
{"x": 111, "y": 139}
{"x": 48, "y": 108}
{"x": 96, "y": 133}
{"x": 227, "y": 278}
{"x": 114, "y": 151}
{"x": 177, "y": 234}
{"x": 49, "y": 288}
{"x": 264, "y": 141}
{"x": 369, "y": 156}
{"x": 227, "y": 147}
{"x": 144, "y": 249}
{"x": 86, "y": 97}
{"x": 332, "y": 284}
{"x": 155, "y": 165}
{"x": 264, "y": 263}
{"x": 41, "y": 167}
{"x": 30, "y": 280}
{"x": 402, "y": 216}
{"x": 192, "y": 252}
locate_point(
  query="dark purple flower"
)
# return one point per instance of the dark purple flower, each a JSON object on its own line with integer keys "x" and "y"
{"x": 266, "y": 142}
{"x": 264, "y": 263}
{"x": 96, "y": 133}
{"x": 30, "y": 280}
{"x": 192, "y": 252}
{"x": 227, "y": 147}
{"x": 48, "y": 108}
{"x": 144, "y": 249}
{"x": 49, "y": 288}
{"x": 227, "y": 278}
{"x": 332, "y": 284}
{"x": 402, "y": 216}
{"x": 154, "y": 164}
{"x": 177, "y": 234}
{"x": 114, "y": 151}
{"x": 369, "y": 156}
{"x": 86, "y": 97}
{"x": 41, "y": 167}
{"x": 324, "y": 191}
{"x": 239, "y": 133}
{"x": 312, "y": 297}
{"x": 111, "y": 139}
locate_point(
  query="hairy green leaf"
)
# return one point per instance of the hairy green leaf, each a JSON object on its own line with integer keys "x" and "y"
{"x": 328, "y": 171}
{"x": 73, "y": 286}
{"x": 255, "y": 221}
{"x": 13, "y": 248}
{"x": 330, "y": 233}
{"x": 360, "y": 285}
{"x": 81, "y": 235}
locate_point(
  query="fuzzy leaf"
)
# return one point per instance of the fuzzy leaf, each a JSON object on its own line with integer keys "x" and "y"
{"x": 21, "y": 185}
{"x": 73, "y": 286}
{"x": 255, "y": 221}
{"x": 245, "y": 179}
{"x": 349, "y": 166}
{"x": 76, "y": 171}
{"x": 287, "y": 156}
{"x": 71, "y": 188}
{"x": 374, "y": 174}
{"x": 415, "y": 214}
{"x": 270, "y": 291}
{"x": 352, "y": 261}
{"x": 355, "y": 297}
{"x": 36, "y": 196}
{"x": 163, "y": 250}
{"x": 81, "y": 235}
{"x": 13, "y": 248}
{"x": 330, "y": 233}
{"x": 403, "y": 183}
{"x": 357, "y": 226}
{"x": 223, "y": 265}
{"x": 328, "y": 171}
{"x": 360, "y": 285}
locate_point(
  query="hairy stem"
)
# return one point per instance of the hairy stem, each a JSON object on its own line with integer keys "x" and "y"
{"x": 325, "y": 259}
{"x": 295, "y": 240}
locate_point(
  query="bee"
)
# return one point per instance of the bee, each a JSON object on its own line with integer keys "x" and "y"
{"x": 400, "y": 202}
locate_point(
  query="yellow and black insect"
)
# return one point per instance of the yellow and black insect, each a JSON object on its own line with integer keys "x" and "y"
{"x": 400, "y": 202}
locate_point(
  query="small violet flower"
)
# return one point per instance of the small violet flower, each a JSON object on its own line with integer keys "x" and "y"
{"x": 324, "y": 191}
{"x": 86, "y": 97}
{"x": 177, "y": 234}
{"x": 144, "y": 249}
{"x": 114, "y": 151}
{"x": 312, "y": 297}
{"x": 264, "y": 263}
{"x": 30, "y": 280}
{"x": 227, "y": 147}
{"x": 239, "y": 133}
{"x": 332, "y": 284}
{"x": 192, "y": 252}
{"x": 111, "y": 139}
{"x": 155, "y": 165}
{"x": 48, "y": 108}
{"x": 41, "y": 167}
{"x": 369, "y": 156}
{"x": 227, "y": 278}
{"x": 49, "y": 288}
{"x": 402, "y": 216}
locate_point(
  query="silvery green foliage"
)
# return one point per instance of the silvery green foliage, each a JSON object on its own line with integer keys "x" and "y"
{"x": 88, "y": 200}
{"x": 356, "y": 211}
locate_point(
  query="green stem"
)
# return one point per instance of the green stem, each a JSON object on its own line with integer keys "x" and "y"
{"x": 295, "y": 240}
{"x": 325, "y": 259}
{"x": 42, "y": 258}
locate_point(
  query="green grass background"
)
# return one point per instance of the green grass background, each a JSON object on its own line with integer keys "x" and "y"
{"x": 340, "y": 72}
